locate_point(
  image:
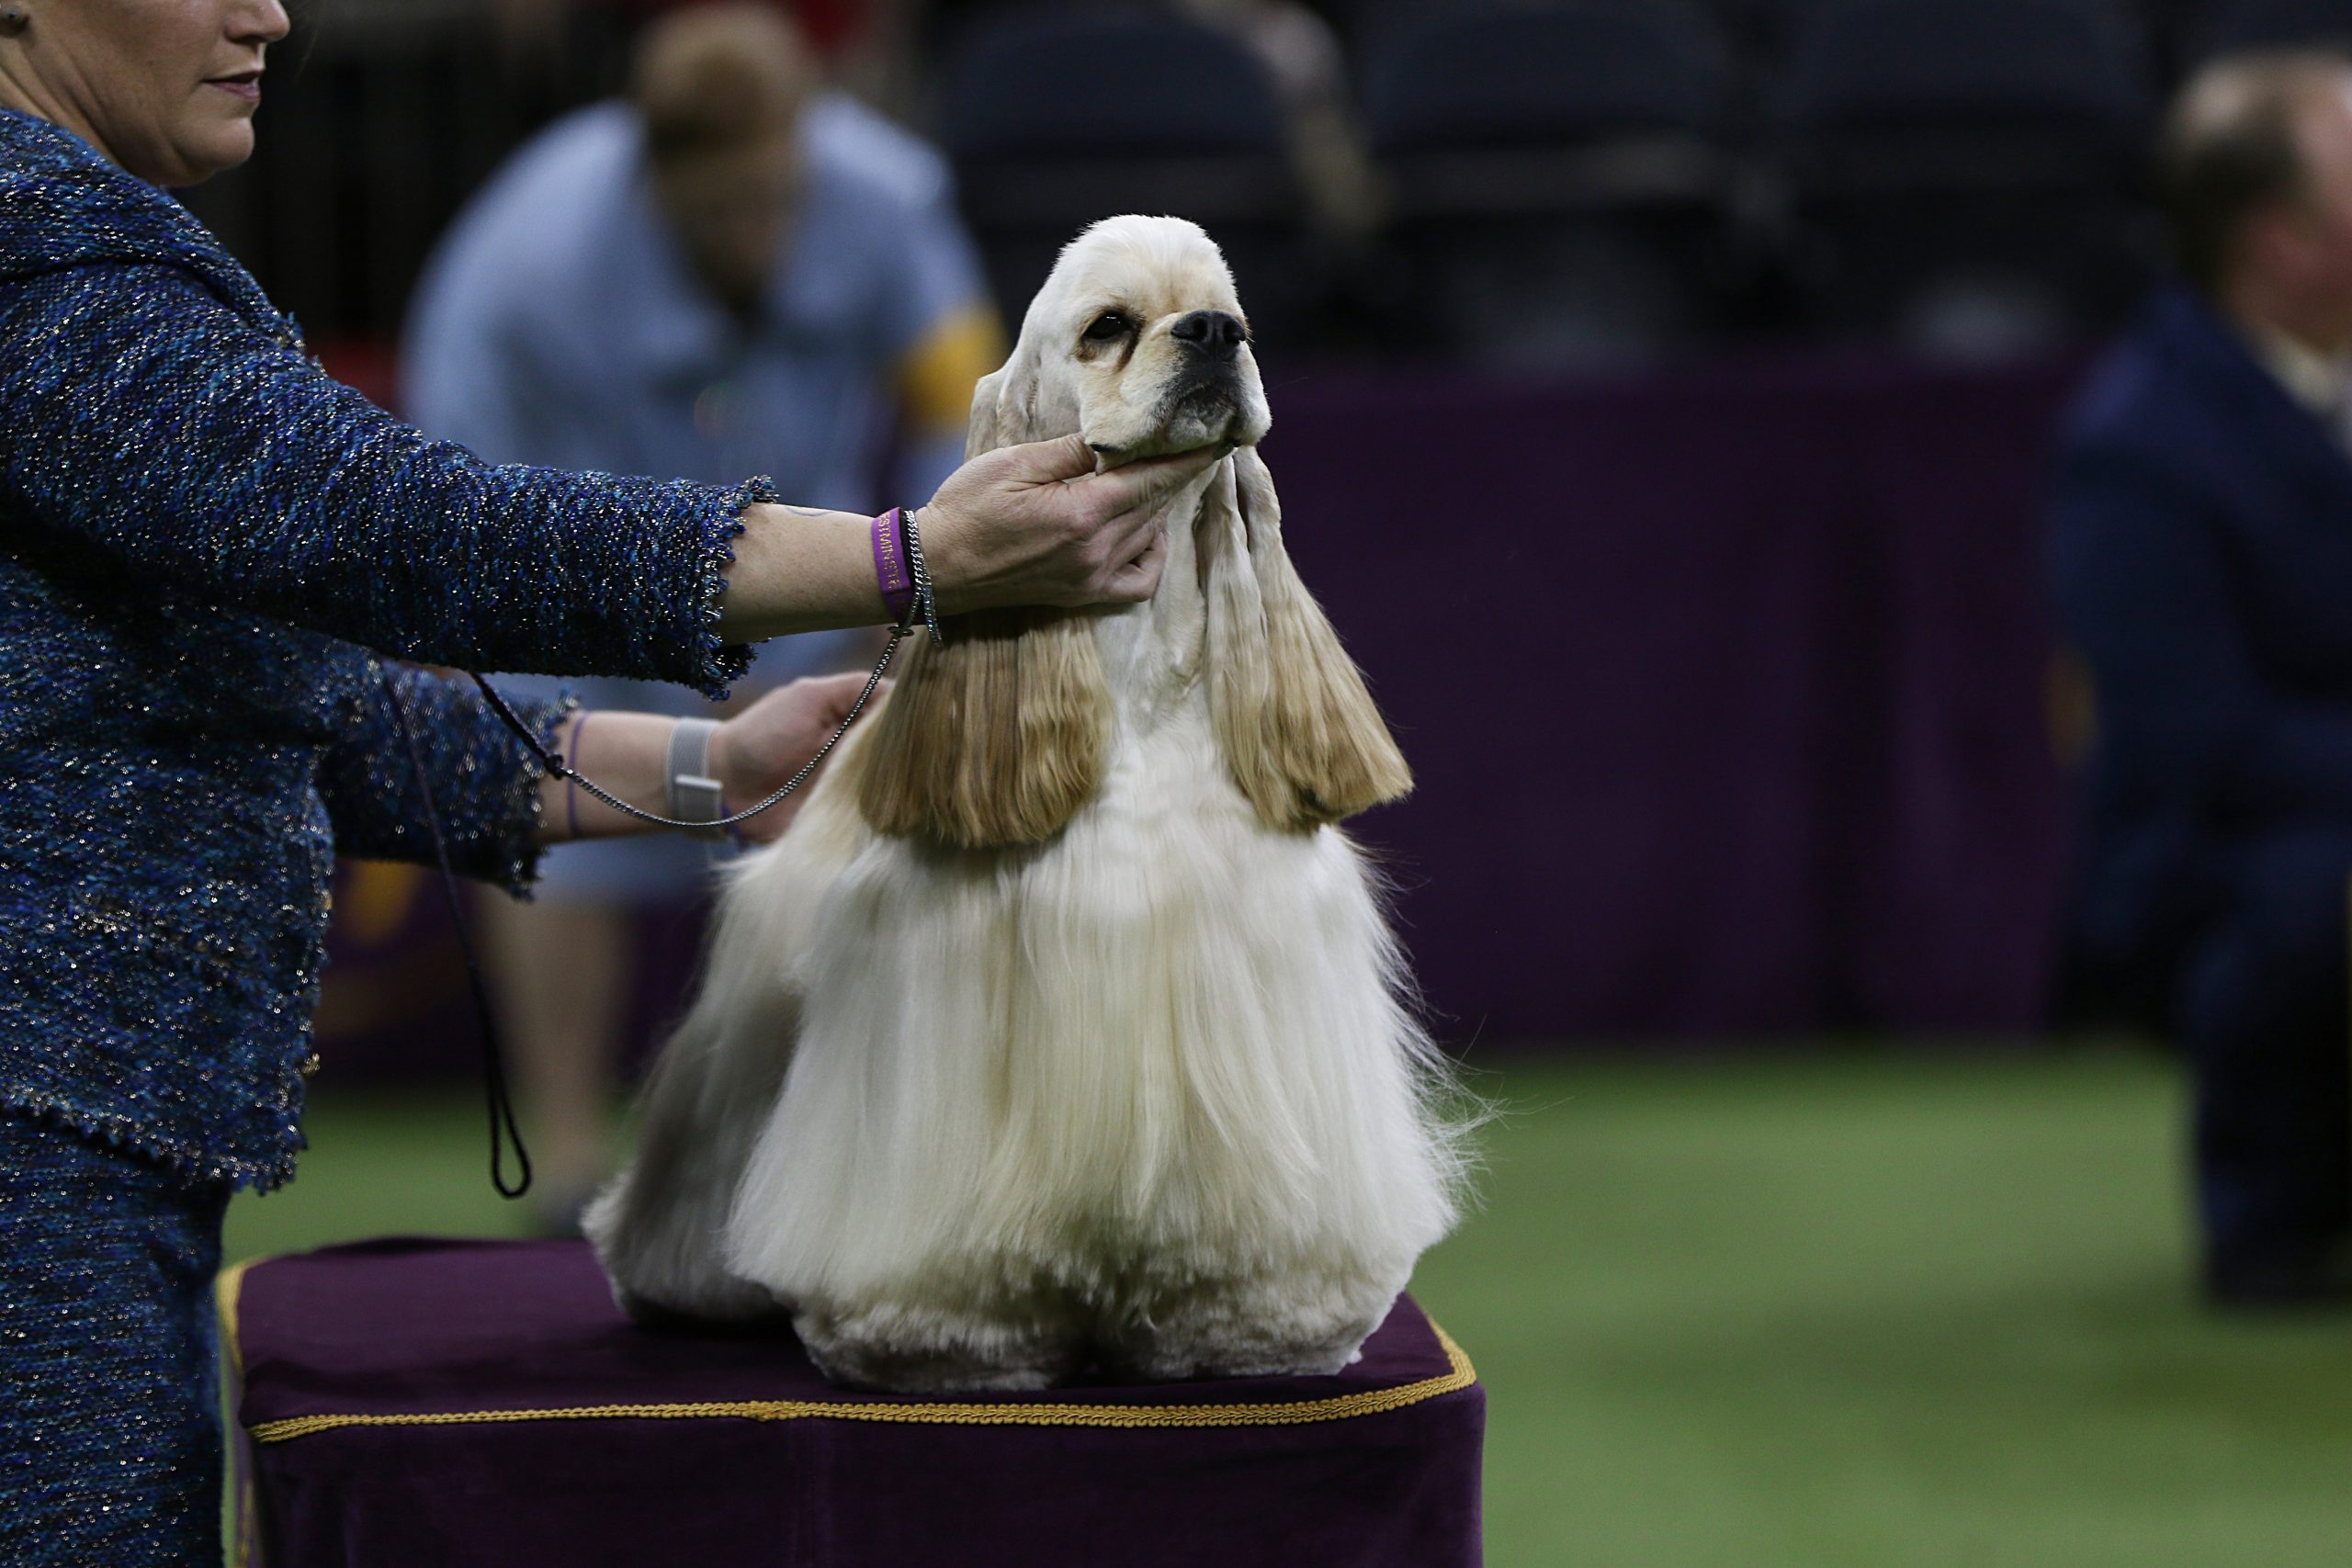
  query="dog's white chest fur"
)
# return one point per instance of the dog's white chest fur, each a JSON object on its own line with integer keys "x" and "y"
{"x": 1094, "y": 1063}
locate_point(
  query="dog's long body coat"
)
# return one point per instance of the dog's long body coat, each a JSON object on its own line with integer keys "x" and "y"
{"x": 1062, "y": 1027}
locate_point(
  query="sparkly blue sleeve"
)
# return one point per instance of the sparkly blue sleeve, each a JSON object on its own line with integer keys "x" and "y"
{"x": 150, "y": 420}
{"x": 485, "y": 782}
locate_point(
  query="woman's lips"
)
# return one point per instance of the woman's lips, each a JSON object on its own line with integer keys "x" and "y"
{"x": 246, "y": 85}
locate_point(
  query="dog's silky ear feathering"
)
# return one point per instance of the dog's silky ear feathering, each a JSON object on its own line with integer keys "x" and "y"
{"x": 999, "y": 738}
{"x": 1299, "y": 730}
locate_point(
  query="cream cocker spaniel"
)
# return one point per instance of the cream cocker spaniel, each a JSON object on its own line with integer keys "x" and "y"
{"x": 1064, "y": 1028}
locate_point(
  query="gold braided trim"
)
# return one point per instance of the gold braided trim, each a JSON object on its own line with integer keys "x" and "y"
{"x": 1340, "y": 1407}
{"x": 227, "y": 1290}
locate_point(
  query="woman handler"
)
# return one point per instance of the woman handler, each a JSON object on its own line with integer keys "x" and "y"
{"x": 202, "y": 538}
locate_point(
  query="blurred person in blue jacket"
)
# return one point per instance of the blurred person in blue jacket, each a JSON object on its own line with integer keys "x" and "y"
{"x": 2201, "y": 552}
{"x": 732, "y": 269}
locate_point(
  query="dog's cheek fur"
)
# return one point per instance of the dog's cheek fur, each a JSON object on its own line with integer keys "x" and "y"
{"x": 996, "y": 738}
{"x": 1304, "y": 739}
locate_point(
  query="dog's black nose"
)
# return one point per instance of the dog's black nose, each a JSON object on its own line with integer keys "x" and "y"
{"x": 1213, "y": 333}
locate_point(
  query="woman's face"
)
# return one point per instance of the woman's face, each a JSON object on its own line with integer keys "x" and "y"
{"x": 166, "y": 88}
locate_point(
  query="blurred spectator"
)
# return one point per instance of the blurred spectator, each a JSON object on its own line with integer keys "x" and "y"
{"x": 2201, "y": 548}
{"x": 734, "y": 272}
{"x": 831, "y": 27}
{"x": 862, "y": 41}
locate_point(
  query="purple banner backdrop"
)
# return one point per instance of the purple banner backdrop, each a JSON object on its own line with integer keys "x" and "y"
{"x": 1726, "y": 692}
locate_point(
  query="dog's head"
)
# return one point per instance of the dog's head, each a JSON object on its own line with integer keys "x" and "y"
{"x": 1138, "y": 343}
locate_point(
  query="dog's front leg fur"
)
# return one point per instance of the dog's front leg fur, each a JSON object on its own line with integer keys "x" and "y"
{"x": 1304, "y": 1322}
{"x": 931, "y": 1347}
{"x": 657, "y": 1227}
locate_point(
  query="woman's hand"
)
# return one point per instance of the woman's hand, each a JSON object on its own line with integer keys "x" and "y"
{"x": 1031, "y": 524}
{"x": 1036, "y": 524}
{"x": 757, "y": 752}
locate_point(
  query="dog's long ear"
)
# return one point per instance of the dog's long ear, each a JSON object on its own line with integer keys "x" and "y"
{"x": 995, "y": 739}
{"x": 1004, "y": 405}
{"x": 999, "y": 736}
{"x": 1299, "y": 731}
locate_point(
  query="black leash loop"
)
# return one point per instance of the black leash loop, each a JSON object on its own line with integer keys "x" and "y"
{"x": 503, "y": 1127}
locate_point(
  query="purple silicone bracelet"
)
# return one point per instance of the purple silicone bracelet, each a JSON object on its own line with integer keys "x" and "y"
{"x": 890, "y": 567}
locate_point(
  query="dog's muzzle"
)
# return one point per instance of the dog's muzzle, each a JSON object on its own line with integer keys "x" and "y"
{"x": 1207, "y": 384}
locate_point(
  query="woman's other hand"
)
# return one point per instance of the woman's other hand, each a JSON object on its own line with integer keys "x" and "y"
{"x": 757, "y": 752}
{"x": 1036, "y": 524}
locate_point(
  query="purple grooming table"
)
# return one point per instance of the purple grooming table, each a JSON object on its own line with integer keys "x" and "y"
{"x": 483, "y": 1402}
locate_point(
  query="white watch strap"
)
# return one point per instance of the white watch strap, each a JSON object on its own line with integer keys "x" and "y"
{"x": 694, "y": 793}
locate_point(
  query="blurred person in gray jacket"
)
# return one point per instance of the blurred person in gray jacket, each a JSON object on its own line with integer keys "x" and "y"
{"x": 733, "y": 270}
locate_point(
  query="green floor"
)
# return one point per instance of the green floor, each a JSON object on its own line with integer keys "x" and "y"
{"x": 1833, "y": 1311}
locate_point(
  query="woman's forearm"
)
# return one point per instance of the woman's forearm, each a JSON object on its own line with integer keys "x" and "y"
{"x": 628, "y": 753}
{"x": 1030, "y": 525}
{"x": 800, "y": 570}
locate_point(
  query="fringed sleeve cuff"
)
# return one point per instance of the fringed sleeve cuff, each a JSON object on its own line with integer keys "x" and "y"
{"x": 724, "y": 662}
{"x": 477, "y": 777}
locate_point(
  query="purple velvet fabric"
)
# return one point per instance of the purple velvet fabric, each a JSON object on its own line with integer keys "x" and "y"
{"x": 404, "y": 1327}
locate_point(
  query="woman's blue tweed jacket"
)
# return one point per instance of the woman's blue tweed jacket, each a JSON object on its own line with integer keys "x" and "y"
{"x": 201, "y": 535}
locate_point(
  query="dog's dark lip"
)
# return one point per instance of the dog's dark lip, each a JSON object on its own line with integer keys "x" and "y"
{"x": 1222, "y": 382}
{"x": 1217, "y": 393}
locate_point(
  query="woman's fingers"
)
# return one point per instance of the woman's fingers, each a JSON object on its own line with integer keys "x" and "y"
{"x": 1069, "y": 459}
{"x": 1144, "y": 486}
{"x": 833, "y": 695}
{"x": 1049, "y": 461}
{"x": 1131, "y": 531}
{"x": 1138, "y": 579}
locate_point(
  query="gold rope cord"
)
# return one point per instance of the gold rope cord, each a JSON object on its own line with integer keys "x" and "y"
{"x": 1340, "y": 1407}
{"x": 226, "y": 1291}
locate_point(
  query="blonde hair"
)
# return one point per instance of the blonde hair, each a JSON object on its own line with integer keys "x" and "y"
{"x": 718, "y": 78}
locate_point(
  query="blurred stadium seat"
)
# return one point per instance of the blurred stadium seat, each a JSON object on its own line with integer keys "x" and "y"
{"x": 1056, "y": 117}
{"x": 1574, "y": 181}
{"x": 2271, "y": 23}
{"x": 1561, "y": 176}
{"x": 1761, "y": 30}
{"x": 1962, "y": 173}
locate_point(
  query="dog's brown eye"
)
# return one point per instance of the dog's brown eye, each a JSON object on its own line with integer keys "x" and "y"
{"x": 1107, "y": 326}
